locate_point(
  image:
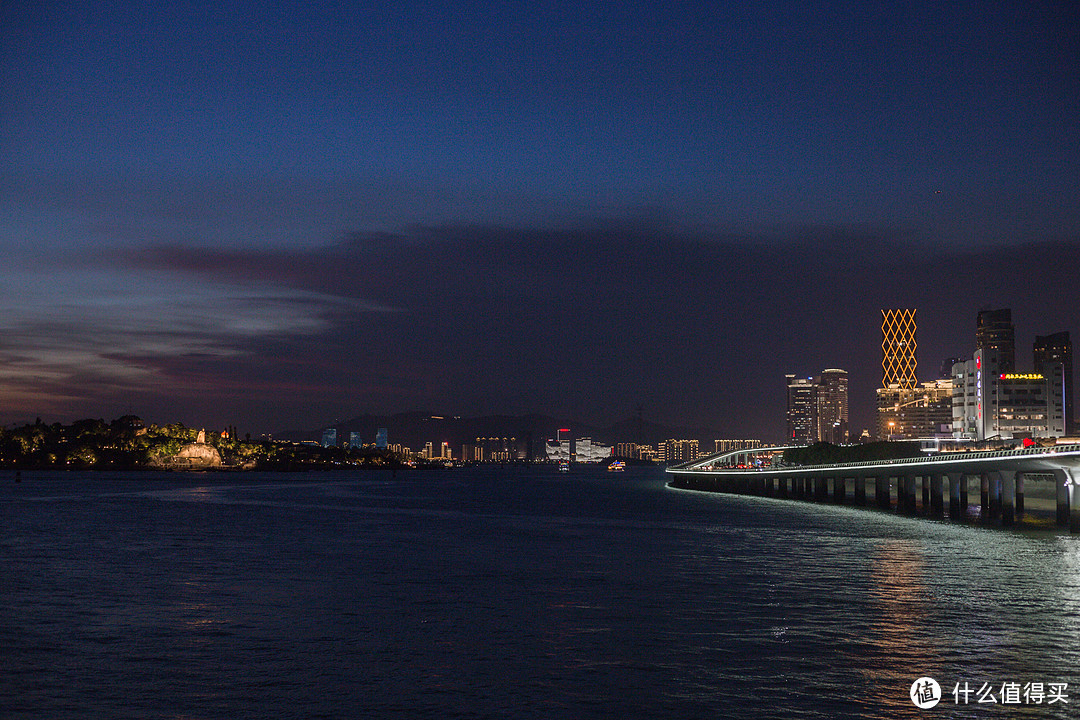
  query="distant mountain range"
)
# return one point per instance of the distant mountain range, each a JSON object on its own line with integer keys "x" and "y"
{"x": 414, "y": 429}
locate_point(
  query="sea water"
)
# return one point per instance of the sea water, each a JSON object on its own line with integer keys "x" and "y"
{"x": 514, "y": 592}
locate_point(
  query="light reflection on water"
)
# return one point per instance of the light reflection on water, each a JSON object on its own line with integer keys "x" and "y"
{"x": 498, "y": 594}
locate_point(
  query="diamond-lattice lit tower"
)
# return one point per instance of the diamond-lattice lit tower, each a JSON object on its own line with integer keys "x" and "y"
{"x": 898, "y": 348}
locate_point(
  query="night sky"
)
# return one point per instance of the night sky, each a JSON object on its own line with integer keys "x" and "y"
{"x": 275, "y": 217}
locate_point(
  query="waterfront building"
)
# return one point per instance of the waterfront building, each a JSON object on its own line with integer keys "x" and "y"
{"x": 580, "y": 450}
{"x": 356, "y": 439}
{"x": 925, "y": 411}
{"x": 996, "y": 337}
{"x": 626, "y": 450}
{"x": 647, "y": 453}
{"x": 329, "y": 437}
{"x": 585, "y": 450}
{"x": 832, "y": 407}
{"x": 945, "y": 372}
{"x": 802, "y": 407}
{"x": 558, "y": 450}
{"x": 817, "y": 408}
{"x": 898, "y": 348}
{"x": 495, "y": 449}
{"x": 730, "y": 445}
{"x": 381, "y": 438}
{"x": 1053, "y": 358}
{"x": 678, "y": 451}
{"x": 992, "y": 400}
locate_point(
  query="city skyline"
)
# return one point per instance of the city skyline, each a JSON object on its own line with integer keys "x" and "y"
{"x": 273, "y": 217}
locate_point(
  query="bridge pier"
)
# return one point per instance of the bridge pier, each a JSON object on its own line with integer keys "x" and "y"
{"x": 1074, "y": 501}
{"x": 995, "y": 495}
{"x": 937, "y": 508}
{"x": 839, "y": 489}
{"x": 860, "y": 491}
{"x": 954, "y": 495}
{"x": 1062, "y": 481}
{"x": 1008, "y": 496}
{"x": 1019, "y": 495}
{"x": 881, "y": 489}
{"x": 926, "y": 494}
{"x": 907, "y": 499}
{"x": 984, "y": 497}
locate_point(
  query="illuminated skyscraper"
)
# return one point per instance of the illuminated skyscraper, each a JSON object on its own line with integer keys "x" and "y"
{"x": 832, "y": 407}
{"x": 677, "y": 451}
{"x": 996, "y": 337}
{"x": 802, "y": 406}
{"x": 992, "y": 400}
{"x": 1053, "y": 358}
{"x": 898, "y": 346}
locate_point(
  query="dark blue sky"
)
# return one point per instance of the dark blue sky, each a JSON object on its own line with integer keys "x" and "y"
{"x": 278, "y": 216}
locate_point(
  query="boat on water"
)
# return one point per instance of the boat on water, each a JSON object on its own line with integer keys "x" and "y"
{"x": 564, "y": 466}
{"x": 617, "y": 466}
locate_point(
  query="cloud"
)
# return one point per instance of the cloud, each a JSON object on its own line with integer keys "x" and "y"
{"x": 583, "y": 321}
{"x": 75, "y": 336}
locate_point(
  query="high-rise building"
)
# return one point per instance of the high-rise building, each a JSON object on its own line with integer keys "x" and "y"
{"x": 945, "y": 373}
{"x": 832, "y": 407}
{"x": 802, "y": 407}
{"x": 1053, "y": 358}
{"x": 996, "y": 337}
{"x": 817, "y": 408}
{"x": 495, "y": 449}
{"x": 732, "y": 445}
{"x": 677, "y": 451}
{"x": 898, "y": 348}
{"x": 925, "y": 411}
{"x": 329, "y": 437}
{"x": 992, "y": 400}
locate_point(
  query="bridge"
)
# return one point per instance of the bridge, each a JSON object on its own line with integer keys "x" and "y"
{"x": 1001, "y": 477}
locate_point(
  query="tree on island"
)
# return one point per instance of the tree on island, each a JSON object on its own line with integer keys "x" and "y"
{"x": 127, "y": 443}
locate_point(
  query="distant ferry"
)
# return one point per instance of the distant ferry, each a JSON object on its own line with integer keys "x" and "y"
{"x": 564, "y": 466}
{"x": 617, "y": 466}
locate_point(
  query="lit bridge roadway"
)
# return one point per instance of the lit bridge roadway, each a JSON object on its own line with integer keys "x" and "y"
{"x": 1000, "y": 478}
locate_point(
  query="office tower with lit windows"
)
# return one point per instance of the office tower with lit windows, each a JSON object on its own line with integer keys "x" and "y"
{"x": 923, "y": 411}
{"x": 832, "y": 407}
{"x": 907, "y": 409}
{"x": 996, "y": 337}
{"x": 802, "y": 406}
{"x": 898, "y": 348}
{"x": 1053, "y": 359}
{"x": 993, "y": 401}
{"x": 678, "y": 451}
{"x": 732, "y": 445}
